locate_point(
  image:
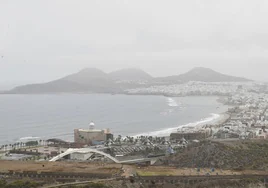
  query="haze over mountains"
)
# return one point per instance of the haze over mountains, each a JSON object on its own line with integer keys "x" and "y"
{"x": 205, "y": 75}
{"x": 96, "y": 81}
{"x": 130, "y": 74}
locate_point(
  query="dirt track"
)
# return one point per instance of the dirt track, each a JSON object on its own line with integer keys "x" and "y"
{"x": 82, "y": 167}
{"x": 20, "y": 166}
{"x": 172, "y": 171}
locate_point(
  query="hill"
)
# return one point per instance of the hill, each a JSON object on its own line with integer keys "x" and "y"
{"x": 96, "y": 81}
{"x": 204, "y": 75}
{"x": 250, "y": 155}
{"x": 86, "y": 80}
{"x": 130, "y": 74}
{"x": 90, "y": 77}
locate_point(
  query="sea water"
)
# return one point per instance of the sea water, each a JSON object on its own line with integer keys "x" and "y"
{"x": 57, "y": 115}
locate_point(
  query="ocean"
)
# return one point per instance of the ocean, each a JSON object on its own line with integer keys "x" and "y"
{"x": 57, "y": 115}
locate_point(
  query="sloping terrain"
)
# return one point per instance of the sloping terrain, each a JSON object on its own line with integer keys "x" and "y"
{"x": 87, "y": 80}
{"x": 96, "y": 81}
{"x": 246, "y": 155}
{"x": 204, "y": 75}
{"x": 130, "y": 74}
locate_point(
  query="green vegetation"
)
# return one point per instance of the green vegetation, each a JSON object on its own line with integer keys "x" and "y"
{"x": 247, "y": 183}
{"x": 239, "y": 156}
{"x": 31, "y": 143}
{"x": 20, "y": 184}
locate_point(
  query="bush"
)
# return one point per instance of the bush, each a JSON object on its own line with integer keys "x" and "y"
{"x": 3, "y": 183}
{"x": 21, "y": 184}
{"x": 96, "y": 185}
{"x": 91, "y": 185}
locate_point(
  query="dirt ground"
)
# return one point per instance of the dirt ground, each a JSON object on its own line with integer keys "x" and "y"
{"x": 20, "y": 166}
{"x": 169, "y": 171}
{"x": 81, "y": 167}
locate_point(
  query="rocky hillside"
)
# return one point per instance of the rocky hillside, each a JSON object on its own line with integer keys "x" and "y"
{"x": 207, "y": 154}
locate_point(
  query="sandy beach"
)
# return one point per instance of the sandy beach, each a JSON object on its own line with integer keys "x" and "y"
{"x": 221, "y": 119}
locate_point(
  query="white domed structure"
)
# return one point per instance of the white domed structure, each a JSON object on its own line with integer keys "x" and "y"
{"x": 92, "y": 125}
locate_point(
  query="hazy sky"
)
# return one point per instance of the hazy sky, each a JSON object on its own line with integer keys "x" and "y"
{"x": 41, "y": 40}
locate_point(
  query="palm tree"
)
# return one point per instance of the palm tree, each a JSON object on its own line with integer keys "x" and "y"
{"x": 40, "y": 142}
{"x": 131, "y": 140}
{"x": 46, "y": 142}
{"x": 119, "y": 139}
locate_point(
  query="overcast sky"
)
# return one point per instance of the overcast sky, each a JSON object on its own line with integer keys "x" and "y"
{"x": 42, "y": 40}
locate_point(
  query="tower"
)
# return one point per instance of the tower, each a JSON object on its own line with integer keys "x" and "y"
{"x": 92, "y": 126}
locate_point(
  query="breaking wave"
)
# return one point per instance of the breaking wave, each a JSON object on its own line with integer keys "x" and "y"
{"x": 29, "y": 138}
{"x": 166, "y": 132}
{"x": 172, "y": 102}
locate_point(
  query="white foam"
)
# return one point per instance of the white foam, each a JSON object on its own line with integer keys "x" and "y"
{"x": 172, "y": 102}
{"x": 29, "y": 138}
{"x": 167, "y": 112}
{"x": 166, "y": 132}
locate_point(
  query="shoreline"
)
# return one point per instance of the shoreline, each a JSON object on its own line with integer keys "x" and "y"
{"x": 223, "y": 117}
{"x": 117, "y": 93}
{"x": 198, "y": 124}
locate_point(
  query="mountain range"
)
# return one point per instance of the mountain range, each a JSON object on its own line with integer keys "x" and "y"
{"x": 204, "y": 75}
{"x": 93, "y": 80}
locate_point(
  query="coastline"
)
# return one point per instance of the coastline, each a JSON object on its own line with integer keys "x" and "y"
{"x": 112, "y": 93}
{"x": 207, "y": 120}
{"x": 193, "y": 126}
{"x": 223, "y": 117}
{"x": 197, "y": 125}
